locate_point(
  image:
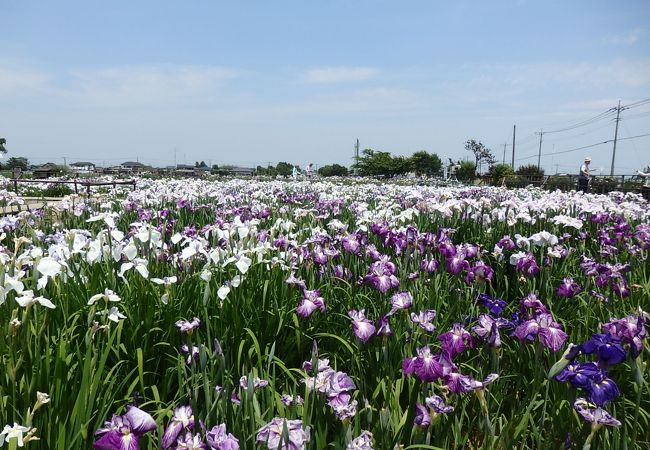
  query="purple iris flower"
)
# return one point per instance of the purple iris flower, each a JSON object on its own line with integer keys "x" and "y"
{"x": 595, "y": 415}
{"x": 340, "y": 384}
{"x": 447, "y": 249}
{"x": 527, "y": 265}
{"x": 602, "y": 390}
{"x": 218, "y": 439}
{"x": 608, "y": 348}
{"x": 427, "y": 366}
{"x": 481, "y": 273}
{"x": 192, "y": 354}
{"x": 342, "y": 272}
{"x": 310, "y": 302}
{"x": 383, "y": 326}
{"x": 362, "y": 327}
{"x": 488, "y": 329}
{"x": 437, "y": 404}
{"x": 506, "y": 243}
{"x": 460, "y": 384}
{"x": 294, "y": 281}
{"x": 456, "y": 341}
{"x": 429, "y": 265}
{"x": 183, "y": 419}
{"x": 351, "y": 244}
{"x": 457, "y": 264}
{"x": 424, "y": 318}
{"x": 123, "y": 432}
{"x": 569, "y": 288}
{"x": 630, "y": 330}
{"x": 400, "y": 300}
{"x": 319, "y": 256}
{"x": 381, "y": 277}
{"x": 257, "y": 383}
{"x": 532, "y": 302}
{"x": 422, "y": 416}
{"x": 550, "y": 332}
{"x": 579, "y": 374}
{"x": 493, "y": 304}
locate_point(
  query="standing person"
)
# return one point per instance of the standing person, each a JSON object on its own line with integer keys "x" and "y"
{"x": 294, "y": 172}
{"x": 584, "y": 176}
{"x": 645, "y": 190}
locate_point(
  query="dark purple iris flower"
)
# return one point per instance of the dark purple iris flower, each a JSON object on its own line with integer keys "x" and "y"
{"x": 531, "y": 302}
{"x": 457, "y": 264}
{"x": 456, "y": 341}
{"x": 381, "y": 276}
{"x": 579, "y": 375}
{"x": 493, "y": 304}
{"x": 607, "y": 348}
{"x": 123, "y": 432}
{"x": 602, "y": 390}
{"x": 447, "y": 249}
{"x": 595, "y": 415}
{"x": 569, "y": 288}
{"x": 437, "y": 404}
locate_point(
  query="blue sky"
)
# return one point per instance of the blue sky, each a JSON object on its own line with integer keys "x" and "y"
{"x": 252, "y": 82}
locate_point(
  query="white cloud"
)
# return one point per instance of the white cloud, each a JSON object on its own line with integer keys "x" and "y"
{"x": 630, "y": 38}
{"x": 331, "y": 75}
{"x": 22, "y": 82}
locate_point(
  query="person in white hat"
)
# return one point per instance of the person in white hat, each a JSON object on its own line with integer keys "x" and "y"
{"x": 584, "y": 176}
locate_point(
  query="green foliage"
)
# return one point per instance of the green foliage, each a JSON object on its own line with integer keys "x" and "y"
{"x": 499, "y": 173}
{"x": 3, "y": 143}
{"x": 374, "y": 163}
{"x": 530, "y": 170}
{"x": 424, "y": 163}
{"x": 284, "y": 169}
{"x": 333, "y": 170}
{"x": 17, "y": 162}
{"x": 466, "y": 171}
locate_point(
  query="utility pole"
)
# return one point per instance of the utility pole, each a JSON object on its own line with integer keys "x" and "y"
{"x": 65, "y": 161}
{"x": 618, "y": 114}
{"x": 503, "y": 161}
{"x": 539, "y": 153}
{"x": 356, "y": 155}
{"x": 514, "y": 129}
{"x": 175, "y": 165}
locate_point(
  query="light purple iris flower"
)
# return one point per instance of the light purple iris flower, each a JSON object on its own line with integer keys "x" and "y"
{"x": 272, "y": 433}
{"x": 400, "y": 300}
{"x": 192, "y": 354}
{"x": 422, "y": 417}
{"x": 429, "y": 265}
{"x": 481, "y": 273}
{"x": 183, "y": 419}
{"x": 437, "y": 404}
{"x": 424, "y": 318}
{"x": 594, "y": 414}
{"x": 488, "y": 329}
{"x": 381, "y": 277}
{"x": 550, "y": 332}
{"x": 383, "y": 326}
{"x": 630, "y": 330}
{"x": 218, "y": 439}
{"x": 190, "y": 441}
{"x": 258, "y": 383}
{"x": 310, "y": 302}
{"x": 188, "y": 326}
{"x": 362, "y": 327}
{"x": 123, "y": 432}
{"x": 361, "y": 442}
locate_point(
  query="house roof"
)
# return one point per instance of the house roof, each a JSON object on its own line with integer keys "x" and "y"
{"x": 133, "y": 164}
{"x": 82, "y": 163}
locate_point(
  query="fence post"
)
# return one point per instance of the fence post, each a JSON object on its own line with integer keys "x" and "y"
{"x": 76, "y": 189}
{"x": 16, "y": 186}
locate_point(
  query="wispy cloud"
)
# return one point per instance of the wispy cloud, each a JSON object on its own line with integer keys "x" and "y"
{"x": 630, "y": 38}
{"x": 332, "y": 75}
{"x": 23, "y": 82}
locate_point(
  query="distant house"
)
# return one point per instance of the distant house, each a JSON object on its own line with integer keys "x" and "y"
{"x": 47, "y": 170}
{"x": 133, "y": 166}
{"x": 82, "y": 167}
{"x": 239, "y": 171}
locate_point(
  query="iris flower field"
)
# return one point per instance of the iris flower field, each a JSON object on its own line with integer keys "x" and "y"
{"x": 193, "y": 314}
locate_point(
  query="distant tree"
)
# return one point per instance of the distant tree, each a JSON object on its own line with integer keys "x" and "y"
{"x": 482, "y": 154}
{"x": 283, "y": 168}
{"x": 424, "y": 163}
{"x": 466, "y": 171}
{"x": 3, "y": 143}
{"x": 380, "y": 164}
{"x": 14, "y": 162}
{"x": 530, "y": 170}
{"x": 333, "y": 170}
{"x": 202, "y": 165}
{"x": 499, "y": 173}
